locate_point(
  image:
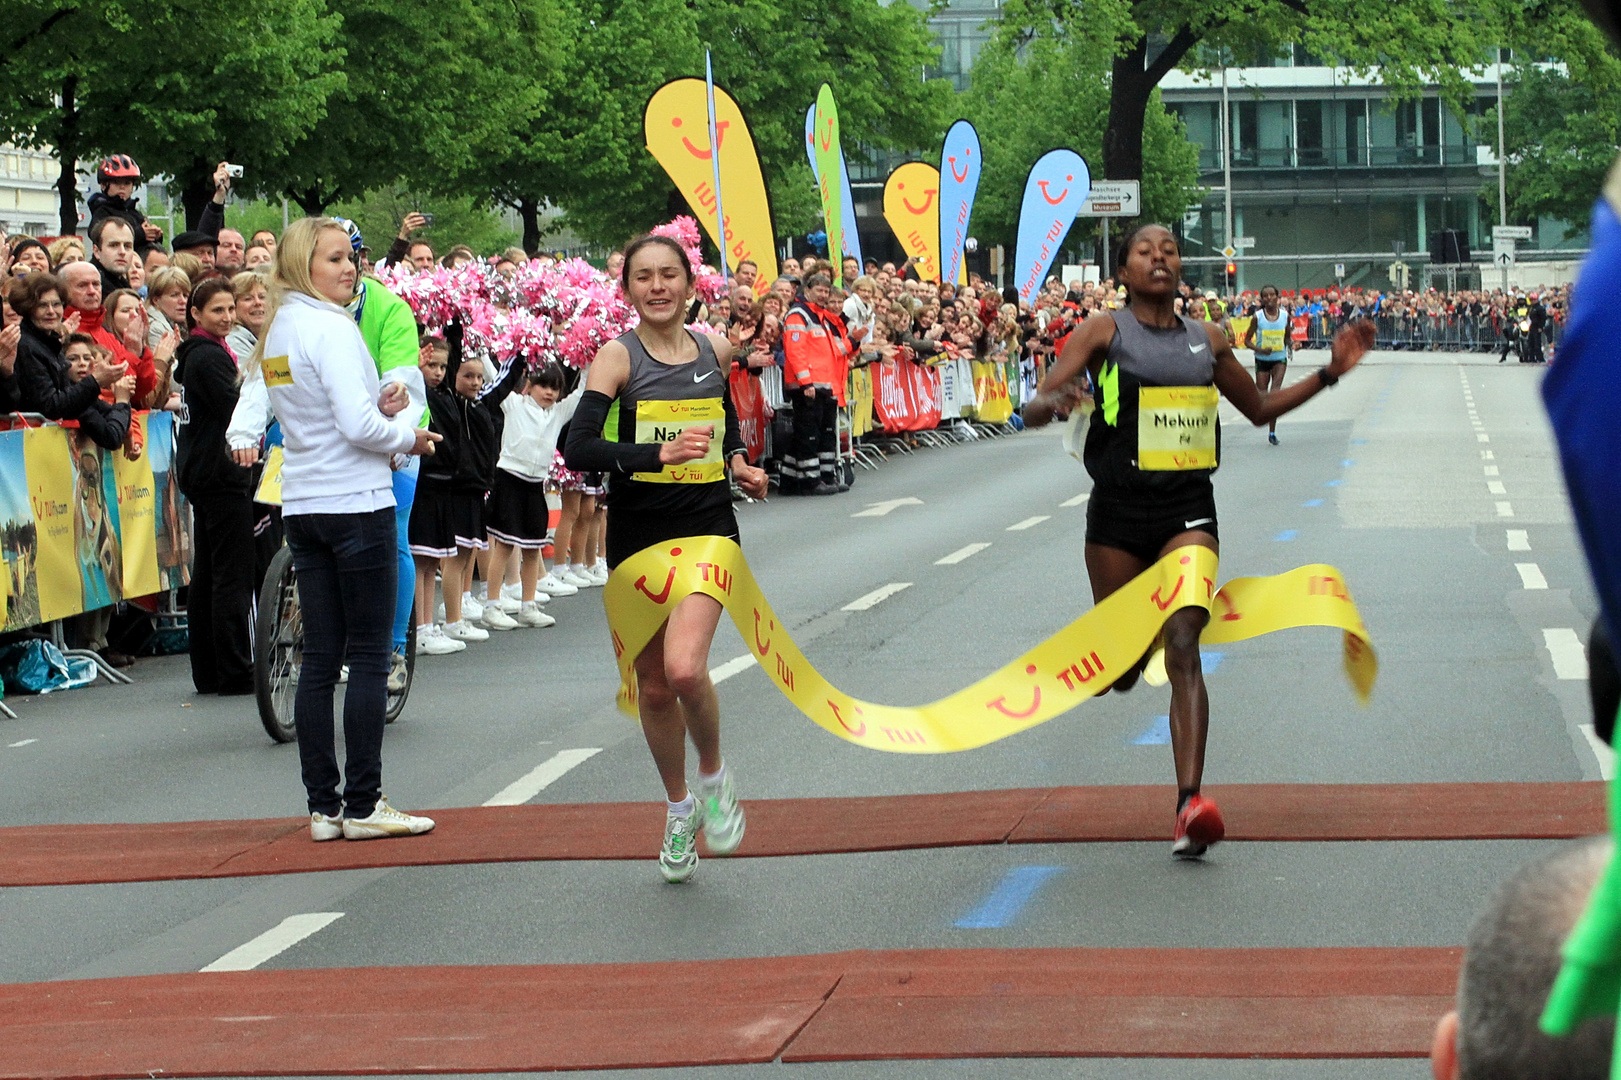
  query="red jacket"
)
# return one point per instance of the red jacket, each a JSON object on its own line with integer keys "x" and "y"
{"x": 146, "y": 375}
{"x": 816, "y": 348}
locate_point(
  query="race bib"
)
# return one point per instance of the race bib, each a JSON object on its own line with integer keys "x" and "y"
{"x": 278, "y": 370}
{"x": 1176, "y": 428}
{"x": 664, "y": 421}
{"x": 1272, "y": 340}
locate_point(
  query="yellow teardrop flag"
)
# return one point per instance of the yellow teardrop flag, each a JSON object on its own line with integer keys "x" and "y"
{"x": 676, "y": 127}
{"x": 912, "y": 208}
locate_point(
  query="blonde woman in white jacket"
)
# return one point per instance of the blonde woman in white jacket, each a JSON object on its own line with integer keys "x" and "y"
{"x": 339, "y": 432}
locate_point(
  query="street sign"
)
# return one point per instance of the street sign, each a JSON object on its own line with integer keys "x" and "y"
{"x": 1229, "y": 252}
{"x": 1511, "y": 232}
{"x": 1113, "y": 198}
{"x": 1243, "y": 243}
{"x": 1339, "y": 270}
{"x": 1502, "y": 252}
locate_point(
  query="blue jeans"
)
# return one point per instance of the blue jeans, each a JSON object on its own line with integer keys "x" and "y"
{"x": 346, "y": 576}
{"x": 405, "y": 493}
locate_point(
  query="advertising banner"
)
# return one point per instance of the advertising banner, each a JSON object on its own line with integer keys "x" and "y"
{"x": 829, "y": 156}
{"x": 1053, "y": 191}
{"x": 137, "y": 519}
{"x": 753, "y": 414}
{"x": 860, "y": 396}
{"x": 960, "y": 164}
{"x": 912, "y": 208}
{"x": 905, "y": 396}
{"x": 991, "y": 402}
{"x": 851, "y": 237}
{"x": 675, "y": 125}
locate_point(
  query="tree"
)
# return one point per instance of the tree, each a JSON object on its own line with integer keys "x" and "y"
{"x": 171, "y": 83}
{"x": 1065, "y": 67}
{"x": 585, "y": 152}
{"x": 1408, "y": 44}
{"x": 1562, "y": 135}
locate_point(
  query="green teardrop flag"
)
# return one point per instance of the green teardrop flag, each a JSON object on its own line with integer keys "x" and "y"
{"x": 828, "y": 157}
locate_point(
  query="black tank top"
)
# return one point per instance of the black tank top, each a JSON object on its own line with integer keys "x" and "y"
{"x": 658, "y": 402}
{"x": 1154, "y": 429}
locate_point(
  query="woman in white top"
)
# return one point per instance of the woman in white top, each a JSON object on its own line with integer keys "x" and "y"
{"x": 339, "y": 434}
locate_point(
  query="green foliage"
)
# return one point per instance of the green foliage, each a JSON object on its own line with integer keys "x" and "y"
{"x": 1562, "y": 134}
{"x": 1064, "y": 67}
{"x": 456, "y": 220}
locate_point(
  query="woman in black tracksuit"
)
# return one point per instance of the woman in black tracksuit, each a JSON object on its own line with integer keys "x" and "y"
{"x": 221, "y": 594}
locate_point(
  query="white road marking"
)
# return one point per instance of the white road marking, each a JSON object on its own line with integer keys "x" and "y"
{"x": 541, "y": 777}
{"x": 1487, "y": 455}
{"x": 1495, "y": 487}
{"x": 877, "y": 596}
{"x": 1531, "y": 575}
{"x": 1569, "y": 658}
{"x": 1505, "y": 509}
{"x": 1605, "y": 755}
{"x": 1077, "y": 500}
{"x": 1491, "y": 470}
{"x": 275, "y": 941}
{"x": 25, "y": 742}
{"x": 1482, "y": 437}
{"x": 960, "y": 554}
{"x": 734, "y": 666}
{"x": 1519, "y": 540}
{"x": 1028, "y": 522}
{"x": 880, "y": 509}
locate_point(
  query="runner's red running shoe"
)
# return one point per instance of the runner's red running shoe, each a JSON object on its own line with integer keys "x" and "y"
{"x": 1198, "y": 828}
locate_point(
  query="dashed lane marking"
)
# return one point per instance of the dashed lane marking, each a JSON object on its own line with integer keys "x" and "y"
{"x": 1286, "y": 535}
{"x": 1016, "y": 889}
{"x": 1311, "y": 503}
{"x": 882, "y": 509}
{"x": 1495, "y": 487}
{"x": 1569, "y": 658}
{"x": 1505, "y": 510}
{"x": 1077, "y": 500}
{"x": 877, "y": 596}
{"x": 735, "y": 666}
{"x": 960, "y": 554}
{"x": 542, "y": 776}
{"x": 1492, "y": 470}
{"x": 1482, "y": 437}
{"x": 1518, "y": 540}
{"x": 1531, "y": 575}
{"x": 25, "y": 742}
{"x": 275, "y": 941}
{"x": 1020, "y": 526}
{"x": 1158, "y": 733}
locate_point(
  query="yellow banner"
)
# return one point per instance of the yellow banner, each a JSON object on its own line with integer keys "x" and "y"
{"x": 1052, "y": 678}
{"x": 859, "y": 394}
{"x": 137, "y": 520}
{"x": 269, "y": 491}
{"x": 51, "y": 482}
{"x": 991, "y": 402}
{"x": 676, "y": 127}
{"x": 912, "y": 208}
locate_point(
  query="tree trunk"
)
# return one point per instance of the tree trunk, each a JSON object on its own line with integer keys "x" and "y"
{"x": 67, "y": 153}
{"x": 529, "y": 214}
{"x": 312, "y": 201}
{"x": 1133, "y": 80}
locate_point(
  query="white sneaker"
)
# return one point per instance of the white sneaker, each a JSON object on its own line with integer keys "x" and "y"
{"x": 464, "y": 631}
{"x": 325, "y": 828}
{"x": 496, "y": 619}
{"x": 597, "y": 573}
{"x": 552, "y": 585}
{"x": 343, "y": 674}
{"x": 507, "y": 604}
{"x": 679, "y": 856}
{"x": 383, "y": 821}
{"x": 571, "y": 576}
{"x": 472, "y": 610}
{"x": 531, "y": 615}
{"x": 512, "y": 592}
{"x": 722, "y": 814}
{"x": 431, "y": 641}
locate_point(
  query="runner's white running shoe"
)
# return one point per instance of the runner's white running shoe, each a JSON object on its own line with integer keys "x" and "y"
{"x": 572, "y": 576}
{"x": 325, "y": 828}
{"x": 496, "y": 619}
{"x": 531, "y": 615}
{"x": 465, "y": 631}
{"x": 552, "y": 585}
{"x": 383, "y": 821}
{"x": 679, "y": 856}
{"x": 722, "y": 814}
{"x": 431, "y": 641}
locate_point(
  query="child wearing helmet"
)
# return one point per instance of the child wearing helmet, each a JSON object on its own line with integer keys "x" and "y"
{"x": 118, "y": 176}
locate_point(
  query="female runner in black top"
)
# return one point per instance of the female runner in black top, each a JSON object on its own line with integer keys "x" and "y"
{"x": 1148, "y": 498}
{"x": 661, "y": 488}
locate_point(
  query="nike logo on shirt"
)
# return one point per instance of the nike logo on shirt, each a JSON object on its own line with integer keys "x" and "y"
{"x": 1196, "y": 523}
{"x": 701, "y": 378}
{"x": 1196, "y": 348}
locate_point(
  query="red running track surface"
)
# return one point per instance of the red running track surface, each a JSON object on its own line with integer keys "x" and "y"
{"x": 1274, "y": 1003}
{"x": 98, "y": 854}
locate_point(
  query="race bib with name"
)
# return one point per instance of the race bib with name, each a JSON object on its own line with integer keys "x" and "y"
{"x": 1272, "y": 340}
{"x": 664, "y": 421}
{"x": 278, "y": 371}
{"x": 1176, "y": 428}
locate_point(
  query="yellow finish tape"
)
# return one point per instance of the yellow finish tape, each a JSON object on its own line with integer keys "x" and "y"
{"x": 1052, "y": 678}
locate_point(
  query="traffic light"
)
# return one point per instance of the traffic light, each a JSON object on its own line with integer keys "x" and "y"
{"x": 1232, "y": 268}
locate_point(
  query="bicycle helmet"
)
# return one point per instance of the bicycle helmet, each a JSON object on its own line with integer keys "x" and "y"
{"x": 118, "y": 167}
{"x": 355, "y": 241}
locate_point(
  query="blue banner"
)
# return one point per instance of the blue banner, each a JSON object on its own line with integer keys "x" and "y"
{"x": 1055, "y": 189}
{"x": 960, "y": 165}
{"x": 851, "y": 241}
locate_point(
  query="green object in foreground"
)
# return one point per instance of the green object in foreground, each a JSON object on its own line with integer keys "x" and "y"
{"x": 1589, "y": 983}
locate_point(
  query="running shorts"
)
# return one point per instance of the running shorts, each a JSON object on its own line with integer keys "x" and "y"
{"x": 1142, "y": 526}
{"x": 1263, "y": 367}
{"x": 633, "y": 532}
